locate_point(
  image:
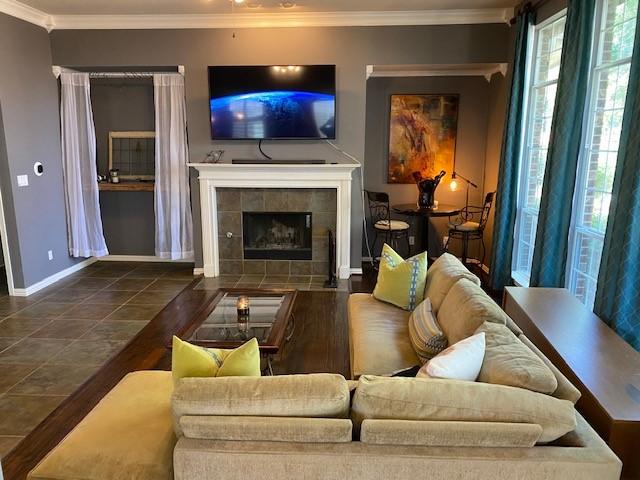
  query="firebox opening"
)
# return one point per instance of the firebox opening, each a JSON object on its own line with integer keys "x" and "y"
{"x": 277, "y": 235}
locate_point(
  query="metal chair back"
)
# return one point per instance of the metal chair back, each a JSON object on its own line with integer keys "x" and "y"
{"x": 379, "y": 208}
{"x": 486, "y": 209}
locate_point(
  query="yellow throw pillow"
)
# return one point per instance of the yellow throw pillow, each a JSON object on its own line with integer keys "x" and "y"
{"x": 188, "y": 360}
{"x": 401, "y": 282}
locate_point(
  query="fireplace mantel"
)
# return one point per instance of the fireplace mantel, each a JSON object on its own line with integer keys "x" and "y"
{"x": 226, "y": 175}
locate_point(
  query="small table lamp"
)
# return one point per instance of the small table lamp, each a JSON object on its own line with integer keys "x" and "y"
{"x": 454, "y": 185}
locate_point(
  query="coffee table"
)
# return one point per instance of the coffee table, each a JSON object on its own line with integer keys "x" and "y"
{"x": 270, "y": 321}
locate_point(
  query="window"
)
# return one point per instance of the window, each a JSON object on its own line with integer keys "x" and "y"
{"x": 133, "y": 154}
{"x": 613, "y": 47}
{"x": 544, "y": 68}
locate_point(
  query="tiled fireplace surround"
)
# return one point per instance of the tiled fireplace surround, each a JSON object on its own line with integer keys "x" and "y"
{"x": 321, "y": 202}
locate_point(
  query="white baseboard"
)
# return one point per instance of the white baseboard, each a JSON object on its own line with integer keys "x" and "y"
{"x": 140, "y": 258}
{"x": 356, "y": 271}
{"x": 198, "y": 271}
{"x": 36, "y": 287}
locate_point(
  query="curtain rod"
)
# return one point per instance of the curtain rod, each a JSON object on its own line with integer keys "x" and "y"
{"x": 57, "y": 70}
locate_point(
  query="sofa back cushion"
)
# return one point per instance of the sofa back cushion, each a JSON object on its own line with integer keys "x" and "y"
{"x": 267, "y": 429}
{"x": 465, "y": 308}
{"x": 450, "y": 400}
{"x": 565, "y": 390}
{"x": 508, "y": 361}
{"x": 319, "y": 395}
{"x": 436, "y": 433}
{"x": 442, "y": 275}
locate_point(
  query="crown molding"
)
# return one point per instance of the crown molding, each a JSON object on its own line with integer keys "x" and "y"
{"x": 27, "y": 13}
{"x": 256, "y": 20}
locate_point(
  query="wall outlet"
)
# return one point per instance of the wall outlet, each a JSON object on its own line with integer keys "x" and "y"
{"x": 412, "y": 240}
{"x": 23, "y": 180}
{"x": 50, "y": 254}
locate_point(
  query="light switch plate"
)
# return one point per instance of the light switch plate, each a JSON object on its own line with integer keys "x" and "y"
{"x": 23, "y": 180}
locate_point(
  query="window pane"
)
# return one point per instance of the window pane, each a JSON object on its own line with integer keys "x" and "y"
{"x": 549, "y": 50}
{"x": 597, "y": 164}
{"x": 545, "y": 68}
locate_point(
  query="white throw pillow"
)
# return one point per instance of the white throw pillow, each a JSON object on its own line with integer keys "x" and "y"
{"x": 461, "y": 361}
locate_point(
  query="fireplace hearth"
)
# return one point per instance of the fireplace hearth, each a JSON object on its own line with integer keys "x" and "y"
{"x": 277, "y": 235}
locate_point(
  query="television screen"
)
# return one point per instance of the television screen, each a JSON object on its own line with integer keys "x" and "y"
{"x": 271, "y": 102}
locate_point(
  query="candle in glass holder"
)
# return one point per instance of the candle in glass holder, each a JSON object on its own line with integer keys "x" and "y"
{"x": 243, "y": 309}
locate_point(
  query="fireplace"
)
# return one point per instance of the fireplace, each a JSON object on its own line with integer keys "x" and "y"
{"x": 277, "y": 235}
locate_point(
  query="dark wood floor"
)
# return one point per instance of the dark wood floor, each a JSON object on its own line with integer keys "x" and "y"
{"x": 319, "y": 344}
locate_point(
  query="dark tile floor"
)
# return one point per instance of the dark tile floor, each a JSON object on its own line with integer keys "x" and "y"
{"x": 53, "y": 341}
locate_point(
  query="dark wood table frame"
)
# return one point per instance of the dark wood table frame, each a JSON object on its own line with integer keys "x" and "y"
{"x": 413, "y": 210}
{"x": 280, "y": 332}
{"x": 604, "y": 367}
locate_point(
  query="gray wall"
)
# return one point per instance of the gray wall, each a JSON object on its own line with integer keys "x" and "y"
{"x": 128, "y": 218}
{"x": 351, "y": 49}
{"x": 498, "y": 93}
{"x": 470, "y": 144}
{"x": 35, "y": 215}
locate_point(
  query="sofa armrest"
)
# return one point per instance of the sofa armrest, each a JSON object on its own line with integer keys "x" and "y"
{"x": 449, "y": 433}
{"x": 268, "y": 429}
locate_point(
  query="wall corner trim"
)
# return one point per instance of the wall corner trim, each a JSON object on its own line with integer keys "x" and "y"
{"x": 27, "y": 13}
{"x": 36, "y": 287}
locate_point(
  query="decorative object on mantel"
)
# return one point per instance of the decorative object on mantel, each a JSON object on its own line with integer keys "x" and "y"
{"x": 422, "y": 135}
{"x": 427, "y": 188}
{"x": 214, "y": 156}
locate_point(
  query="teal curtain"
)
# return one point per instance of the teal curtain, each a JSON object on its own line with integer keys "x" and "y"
{"x": 618, "y": 294}
{"x": 552, "y": 236}
{"x": 505, "y": 204}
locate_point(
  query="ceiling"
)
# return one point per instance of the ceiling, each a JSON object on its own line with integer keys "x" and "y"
{"x": 168, "y": 7}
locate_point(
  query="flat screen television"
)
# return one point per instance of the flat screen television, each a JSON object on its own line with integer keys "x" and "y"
{"x": 272, "y": 102}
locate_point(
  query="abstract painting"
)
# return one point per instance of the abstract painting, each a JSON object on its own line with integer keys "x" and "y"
{"x": 422, "y": 135}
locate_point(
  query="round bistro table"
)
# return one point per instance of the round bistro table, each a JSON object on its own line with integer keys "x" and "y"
{"x": 412, "y": 209}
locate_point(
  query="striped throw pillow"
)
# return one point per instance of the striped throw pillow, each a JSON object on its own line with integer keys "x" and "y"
{"x": 425, "y": 334}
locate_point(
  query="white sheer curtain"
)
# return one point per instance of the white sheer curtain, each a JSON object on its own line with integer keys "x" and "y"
{"x": 84, "y": 223}
{"x": 174, "y": 229}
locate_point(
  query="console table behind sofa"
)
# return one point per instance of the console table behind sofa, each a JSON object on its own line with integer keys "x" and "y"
{"x": 602, "y": 365}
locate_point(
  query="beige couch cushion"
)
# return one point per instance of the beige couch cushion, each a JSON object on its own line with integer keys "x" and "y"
{"x": 565, "y": 390}
{"x": 433, "y": 399}
{"x": 378, "y": 337}
{"x": 271, "y": 429}
{"x": 449, "y": 434}
{"x": 441, "y": 276}
{"x": 318, "y": 395}
{"x": 508, "y": 361}
{"x": 217, "y": 460}
{"x": 465, "y": 308}
{"x": 127, "y": 435}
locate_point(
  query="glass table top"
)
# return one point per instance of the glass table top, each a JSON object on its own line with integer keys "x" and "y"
{"x": 224, "y": 325}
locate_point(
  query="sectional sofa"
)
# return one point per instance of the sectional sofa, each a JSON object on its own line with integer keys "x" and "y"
{"x": 323, "y": 426}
